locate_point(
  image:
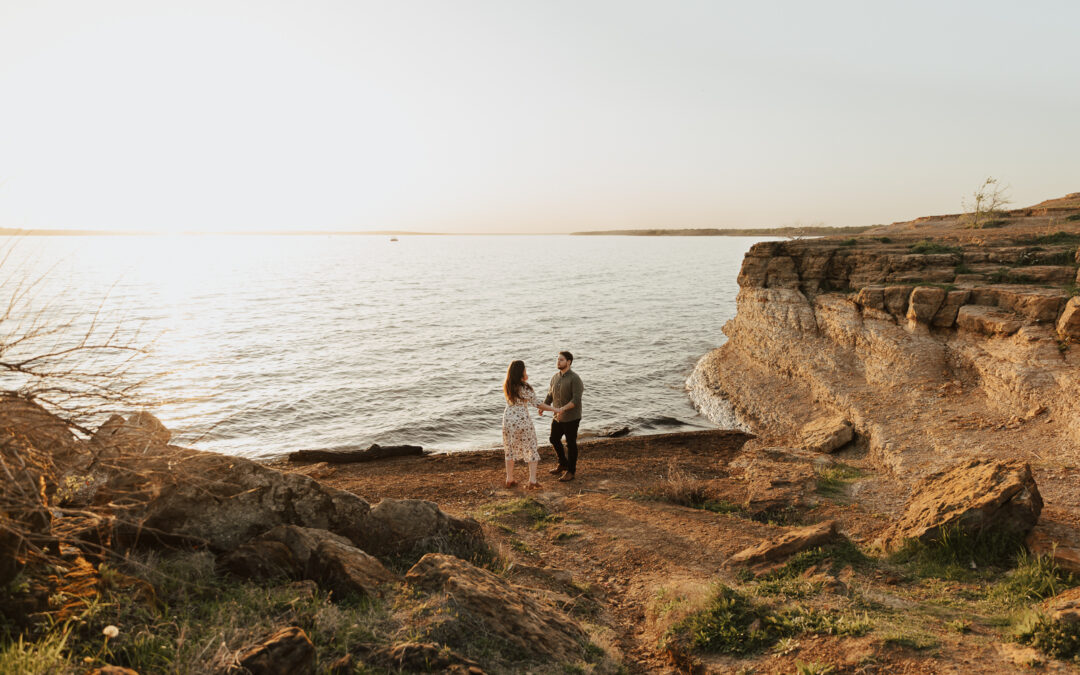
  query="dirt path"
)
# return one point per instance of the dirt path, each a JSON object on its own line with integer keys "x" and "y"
{"x": 620, "y": 558}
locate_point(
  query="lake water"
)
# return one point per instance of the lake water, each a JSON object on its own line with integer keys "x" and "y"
{"x": 269, "y": 344}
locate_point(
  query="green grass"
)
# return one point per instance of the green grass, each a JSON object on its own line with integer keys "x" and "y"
{"x": 182, "y": 625}
{"x": 832, "y": 480}
{"x": 848, "y": 242}
{"x": 962, "y": 268}
{"x": 960, "y": 555}
{"x": 1058, "y": 639}
{"x": 1073, "y": 218}
{"x": 926, "y": 246}
{"x": 916, "y": 641}
{"x": 883, "y": 240}
{"x": 995, "y": 222}
{"x": 526, "y": 510}
{"x": 1034, "y": 578}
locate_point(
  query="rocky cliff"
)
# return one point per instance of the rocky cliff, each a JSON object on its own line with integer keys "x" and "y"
{"x": 964, "y": 344}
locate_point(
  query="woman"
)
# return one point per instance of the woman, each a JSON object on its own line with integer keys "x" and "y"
{"x": 519, "y": 436}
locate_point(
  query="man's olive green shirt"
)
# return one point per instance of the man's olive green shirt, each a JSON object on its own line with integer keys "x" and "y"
{"x": 565, "y": 388}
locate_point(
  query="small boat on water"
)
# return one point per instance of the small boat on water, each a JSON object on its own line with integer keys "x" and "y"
{"x": 393, "y": 238}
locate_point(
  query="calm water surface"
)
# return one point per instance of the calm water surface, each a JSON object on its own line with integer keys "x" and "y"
{"x": 276, "y": 343}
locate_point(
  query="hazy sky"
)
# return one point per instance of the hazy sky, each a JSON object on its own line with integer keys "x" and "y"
{"x": 543, "y": 116}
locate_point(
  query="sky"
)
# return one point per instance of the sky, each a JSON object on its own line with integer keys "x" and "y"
{"x": 512, "y": 116}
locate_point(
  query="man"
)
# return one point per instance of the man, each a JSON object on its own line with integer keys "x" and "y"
{"x": 565, "y": 395}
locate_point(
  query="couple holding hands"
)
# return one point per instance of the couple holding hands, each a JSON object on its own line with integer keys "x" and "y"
{"x": 519, "y": 437}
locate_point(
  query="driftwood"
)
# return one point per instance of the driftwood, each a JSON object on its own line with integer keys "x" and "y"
{"x": 348, "y": 455}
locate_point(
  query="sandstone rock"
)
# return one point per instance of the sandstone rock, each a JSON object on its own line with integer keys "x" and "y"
{"x": 946, "y": 314}
{"x": 787, "y": 544}
{"x": 327, "y": 558}
{"x": 924, "y": 303}
{"x": 780, "y": 273}
{"x": 286, "y": 652}
{"x": 225, "y": 501}
{"x": 259, "y": 559}
{"x": 933, "y": 275}
{"x": 139, "y": 433}
{"x": 986, "y": 320}
{"x": 427, "y": 657}
{"x": 485, "y": 602}
{"x": 1045, "y": 274}
{"x": 896, "y": 300}
{"x": 399, "y": 525}
{"x": 872, "y": 297}
{"x": 974, "y": 497}
{"x": 827, "y": 435}
{"x": 1034, "y": 305}
{"x": 1060, "y": 542}
{"x": 1064, "y": 607}
{"x": 1068, "y": 326}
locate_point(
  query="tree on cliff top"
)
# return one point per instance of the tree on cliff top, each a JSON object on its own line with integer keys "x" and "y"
{"x": 985, "y": 203}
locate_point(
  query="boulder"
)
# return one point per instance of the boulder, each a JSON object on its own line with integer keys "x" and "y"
{"x": 402, "y": 525}
{"x": 43, "y": 431}
{"x": 426, "y": 657}
{"x": 781, "y": 547}
{"x": 872, "y": 297}
{"x": 139, "y": 433}
{"x": 484, "y": 602}
{"x": 986, "y": 320}
{"x": 1068, "y": 325}
{"x": 924, "y": 303}
{"x": 301, "y": 552}
{"x": 827, "y": 435}
{"x": 222, "y": 502}
{"x": 286, "y": 652}
{"x": 974, "y": 497}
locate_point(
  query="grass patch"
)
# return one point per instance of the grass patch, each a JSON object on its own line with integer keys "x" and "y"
{"x": 832, "y": 480}
{"x": 682, "y": 489}
{"x": 1004, "y": 275}
{"x": 848, "y": 242}
{"x": 526, "y": 511}
{"x": 995, "y": 222}
{"x": 1035, "y": 578}
{"x": 1056, "y": 638}
{"x": 789, "y": 581}
{"x": 917, "y": 641}
{"x": 1037, "y": 256}
{"x": 960, "y": 555}
{"x": 191, "y": 620}
{"x": 926, "y": 246}
{"x": 962, "y": 268}
{"x": 1073, "y": 218}
{"x": 883, "y": 240}
{"x": 733, "y": 624}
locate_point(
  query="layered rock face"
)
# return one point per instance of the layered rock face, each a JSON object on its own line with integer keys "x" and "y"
{"x": 929, "y": 355}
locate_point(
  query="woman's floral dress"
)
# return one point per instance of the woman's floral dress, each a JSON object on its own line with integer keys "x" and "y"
{"x": 519, "y": 435}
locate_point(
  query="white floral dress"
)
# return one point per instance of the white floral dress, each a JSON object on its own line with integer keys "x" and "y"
{"x": 519, "y": 435}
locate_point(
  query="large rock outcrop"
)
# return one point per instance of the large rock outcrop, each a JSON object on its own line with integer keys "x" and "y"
{"x": 976, "y": 497}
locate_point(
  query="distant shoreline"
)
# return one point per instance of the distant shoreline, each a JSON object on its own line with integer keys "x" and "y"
{"x": 699, "y": 232}
{"x": 810, "y": 231}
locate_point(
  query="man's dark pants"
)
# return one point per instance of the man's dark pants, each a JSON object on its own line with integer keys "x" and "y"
{"x": 567, "y": 458}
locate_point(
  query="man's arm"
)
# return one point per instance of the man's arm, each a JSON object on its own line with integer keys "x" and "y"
{"x": 549, "y": 398}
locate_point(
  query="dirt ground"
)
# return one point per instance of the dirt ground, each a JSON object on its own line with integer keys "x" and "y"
{"x": 629, "y": 555}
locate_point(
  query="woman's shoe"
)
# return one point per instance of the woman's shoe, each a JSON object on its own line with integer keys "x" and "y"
{"x": 510, "y": 484}
{"x": 533, "y": 486}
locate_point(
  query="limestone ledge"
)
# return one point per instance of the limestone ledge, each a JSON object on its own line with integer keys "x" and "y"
{"x": 923, "y": 360}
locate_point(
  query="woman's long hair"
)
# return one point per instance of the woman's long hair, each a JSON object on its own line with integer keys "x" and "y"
{"x": 513, "y": 385}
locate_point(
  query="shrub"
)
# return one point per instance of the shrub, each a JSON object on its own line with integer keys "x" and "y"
{"x": 1056, "y": 638}
{"x": 927, "y": 246}
{"x": 848, "y": 242}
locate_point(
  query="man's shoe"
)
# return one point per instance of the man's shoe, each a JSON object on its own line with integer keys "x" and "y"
{"x": 566, "y": 477}
{"x": 557, "y": 470}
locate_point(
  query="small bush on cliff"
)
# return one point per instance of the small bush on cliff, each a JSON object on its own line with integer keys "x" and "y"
{"x": 985, "y": 204}
{"x": 926, "y": 246}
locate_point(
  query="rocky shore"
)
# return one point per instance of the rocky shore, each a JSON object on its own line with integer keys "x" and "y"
{"x": 901, "y": 497}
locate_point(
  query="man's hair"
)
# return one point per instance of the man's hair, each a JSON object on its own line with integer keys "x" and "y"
{"x": 568, "y": 356}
